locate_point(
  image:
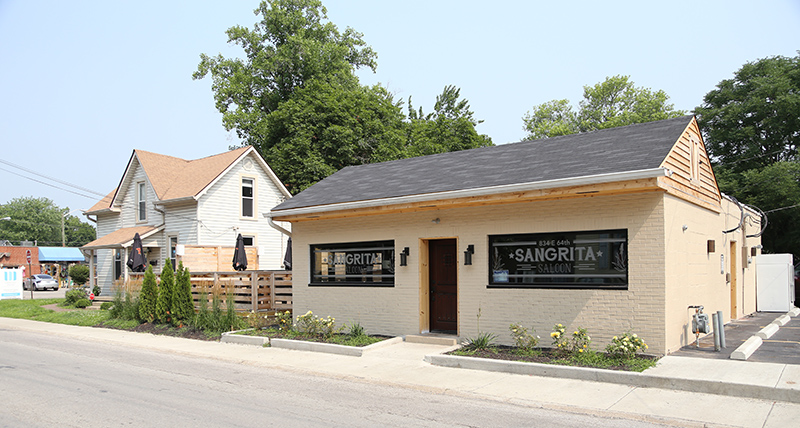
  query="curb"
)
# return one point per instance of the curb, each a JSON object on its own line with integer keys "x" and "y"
{"x": 619, "y": 377}
{"x": 746, "y": 349}
{"x": 331, "y": 348}
{"x": 302, "y": 345}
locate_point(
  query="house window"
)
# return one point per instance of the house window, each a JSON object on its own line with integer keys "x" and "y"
{"x": 248, "y": 201}
{"x": 366, "y": 264}
{"x": 141, "y": 202}
{"x": 117, "y": 264}
{"x": 577, "y": 260}
{"x": 173, "y": 251}
{"x": 249, "y": 241}
{"x": 695, "y": 159}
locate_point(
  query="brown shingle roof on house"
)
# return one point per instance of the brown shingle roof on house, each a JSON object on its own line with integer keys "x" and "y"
{"x": 120, "y": 237}
{"x": 174, "y": 178}
{"x": 103, "y": 204}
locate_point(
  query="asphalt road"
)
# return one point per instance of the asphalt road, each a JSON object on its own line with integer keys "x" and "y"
{"x": 50, "y": 381}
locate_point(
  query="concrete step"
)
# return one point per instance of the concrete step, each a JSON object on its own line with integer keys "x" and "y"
{"x": 444, "y": 340}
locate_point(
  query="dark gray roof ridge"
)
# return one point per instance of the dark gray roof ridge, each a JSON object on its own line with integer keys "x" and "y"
{"x": 627, "y": 148}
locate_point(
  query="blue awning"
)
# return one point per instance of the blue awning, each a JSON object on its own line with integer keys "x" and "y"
{"x": 60, "y": 254}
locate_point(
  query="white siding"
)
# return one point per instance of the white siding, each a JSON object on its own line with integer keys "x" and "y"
{"x": 181, "y": 221}
{"x": 127, "y": 199}
{"x": 220, "y": 212}
{"x": 106, "y": 223}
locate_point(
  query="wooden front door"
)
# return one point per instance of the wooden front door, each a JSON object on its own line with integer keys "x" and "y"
{"x": 443, "y": 285}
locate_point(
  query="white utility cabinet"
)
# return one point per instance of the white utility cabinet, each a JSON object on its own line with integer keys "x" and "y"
{"x": 774, "y": 282}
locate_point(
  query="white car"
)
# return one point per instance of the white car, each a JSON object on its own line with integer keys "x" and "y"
{"x": 41, "y": 282}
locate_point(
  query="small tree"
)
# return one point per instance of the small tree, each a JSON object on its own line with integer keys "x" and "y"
{"x": 164, "y": 303}
{"x": 79, "y": 274}
{"x": 182, "y": 305}
{"x": 148, "y": 296}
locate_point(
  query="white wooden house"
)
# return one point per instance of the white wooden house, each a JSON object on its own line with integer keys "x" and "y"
{"x": 187, "y": 207}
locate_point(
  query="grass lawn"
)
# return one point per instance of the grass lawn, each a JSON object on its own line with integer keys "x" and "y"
{"x": 33, "y": 310}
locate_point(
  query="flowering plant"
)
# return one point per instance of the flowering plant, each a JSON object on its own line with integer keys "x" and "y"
{"x": 524, "y": 340}
{"x": 284, "y": 320}
{"x": 256, "y": 320}
{"x": 313, "y": 325}
{"x": 626, "y": 345}
{"x": 559, "y": 337}
{"x": 580, "y": 341}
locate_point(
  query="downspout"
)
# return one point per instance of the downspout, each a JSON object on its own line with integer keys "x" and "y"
{"x": 272, "y": 224}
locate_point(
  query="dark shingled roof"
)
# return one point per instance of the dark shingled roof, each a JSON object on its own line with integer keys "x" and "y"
{"x": 622, "y": 149}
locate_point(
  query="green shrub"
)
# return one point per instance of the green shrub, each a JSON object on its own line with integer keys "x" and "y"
{"x": 106, "y": 306}
{"x": 356, "y": 330}
{"x": 73, "y": 295}
{"x": 481, "y": 342}
{"x": 182, "y": 304}
{"x": 96, "y": 290}
{"x": 79, "y": 274}
{"x": 83, "y": 303}
{"x": 164, "y": 302}
{"x": 148, "y": 296}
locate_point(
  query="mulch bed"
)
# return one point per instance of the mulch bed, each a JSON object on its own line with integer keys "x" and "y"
{"x": 510, "y": 353}
{"x": 166, "y": 330}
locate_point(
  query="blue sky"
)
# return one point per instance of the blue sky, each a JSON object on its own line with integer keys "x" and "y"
{"x": 83, "y": 83}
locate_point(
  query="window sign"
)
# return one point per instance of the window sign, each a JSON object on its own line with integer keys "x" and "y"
{"x": 590, "y": 259}
{"x": 369, "y": 264}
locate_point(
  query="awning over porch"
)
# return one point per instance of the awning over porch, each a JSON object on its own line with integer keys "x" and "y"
{"x": 61, "y": 254}
{"x": 123, "y": 238}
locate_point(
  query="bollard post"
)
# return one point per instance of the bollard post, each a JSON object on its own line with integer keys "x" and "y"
{"x": 721, "y": 329}
{"x": 715, "y": 323}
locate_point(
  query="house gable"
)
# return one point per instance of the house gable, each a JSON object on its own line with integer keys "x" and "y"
{"x": 691, "y": 178}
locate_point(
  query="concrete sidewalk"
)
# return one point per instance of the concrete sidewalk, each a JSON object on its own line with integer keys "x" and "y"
{"x": 403, "y": 364}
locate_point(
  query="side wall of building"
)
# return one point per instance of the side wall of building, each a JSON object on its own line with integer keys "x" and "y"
{"x": 397, "y": 310}
{"x": 697, "y": 276}
{"x": 220, "y": 212}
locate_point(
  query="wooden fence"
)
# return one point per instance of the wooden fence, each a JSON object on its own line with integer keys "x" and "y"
{"x": 251, "y": 290}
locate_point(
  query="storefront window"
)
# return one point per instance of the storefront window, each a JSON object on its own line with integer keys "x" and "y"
{"x": 589, "y": 259}
{"x": 369, "y": 264}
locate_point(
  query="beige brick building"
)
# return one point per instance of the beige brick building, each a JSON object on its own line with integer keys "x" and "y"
{"x": 614, "y": 231}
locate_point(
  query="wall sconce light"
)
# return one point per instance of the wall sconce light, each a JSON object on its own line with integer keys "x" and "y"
{"x": 468, "y": 254}
{"x": 404, "y": 257}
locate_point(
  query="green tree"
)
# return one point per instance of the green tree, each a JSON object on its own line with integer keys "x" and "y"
{"x": 294, "y": 96}
{"x": 611, "y": 103}
{"x": 39, "y": 220}
{"x": 182, "y": 304}
{"x": 450, "y": 127}
{"x": 327, "y": 126}
{"x": 291, "y": 46}
{"x": 753, "y": 119}
{"x": 148, "y": 296}
{"x": 79, "y": 274}
{"x": 751, "y": 125}
{"x": 165, "y": 292}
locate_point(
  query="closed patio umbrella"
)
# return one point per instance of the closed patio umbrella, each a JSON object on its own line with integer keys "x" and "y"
{"x": 137, "y": 262}
{"x": 287, "y": 258}
{"x": 239, "y": 256}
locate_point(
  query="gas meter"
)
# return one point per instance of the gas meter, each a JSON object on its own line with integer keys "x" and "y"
{"x": 700, "y": 323}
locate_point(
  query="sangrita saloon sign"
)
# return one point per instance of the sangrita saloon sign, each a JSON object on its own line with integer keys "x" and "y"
{"x": 585, "y": 259}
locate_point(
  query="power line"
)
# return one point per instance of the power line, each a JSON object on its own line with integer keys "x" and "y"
{"x": 783, "y": 208}
{"x": 66, "y": 183}
{"x": 51, "y": 185}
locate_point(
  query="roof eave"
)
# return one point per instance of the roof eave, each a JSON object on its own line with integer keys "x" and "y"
{"x": 481, "y": 191}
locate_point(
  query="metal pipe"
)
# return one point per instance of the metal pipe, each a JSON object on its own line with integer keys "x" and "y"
{"x": 715, "y": 323}
{"x": 721, "y": 329}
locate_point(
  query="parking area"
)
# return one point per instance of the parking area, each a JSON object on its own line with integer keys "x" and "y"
{"x": 783, "y": 347}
